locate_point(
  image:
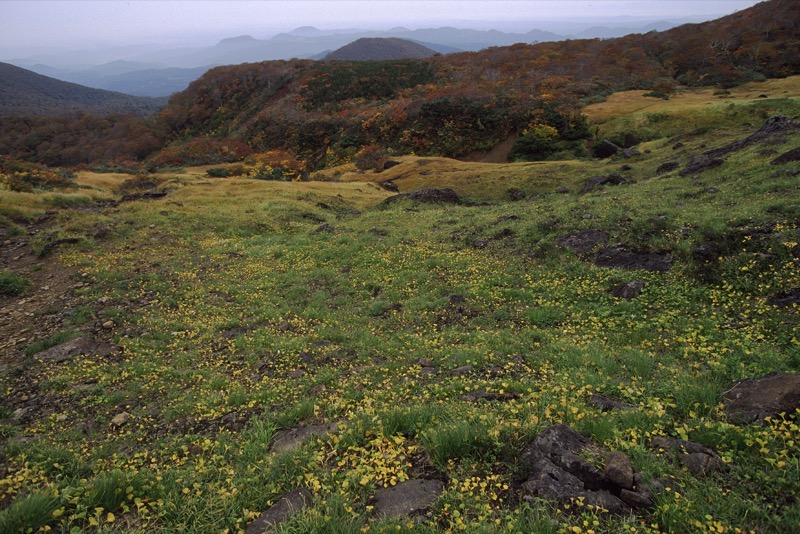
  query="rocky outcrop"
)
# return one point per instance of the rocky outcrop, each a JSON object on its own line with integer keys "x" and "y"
{"x": 407, "y": 499}
{"x": 559, "y": 471}
{"x": 754, "y": 399}
{"x": 442, "y": 195}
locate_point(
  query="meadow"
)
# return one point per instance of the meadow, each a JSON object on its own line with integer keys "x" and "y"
{"x": 440, "y": 339}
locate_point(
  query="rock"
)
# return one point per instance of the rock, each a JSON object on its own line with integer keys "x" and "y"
{"x": 618, "y": 469}
{"x": 700, "y": 464}
{"x": 561, "y": 190}
{"x": 597, "y": 181}
{"x": 680, "y": 445}
{"x": 754, "y": 399}
{"x": 463, "y": 370}
{"x": 288, "y": 440}
{"x": 635, "y": 499}
{"x": 76, "y": 347}
{"x": 444, "y": 196}
{"x": 787, "y": 298}
{"x": 667, "y": 167}
{"x": 146, "y": 195}
{"x": 558, "y": 470}
{"x": 677, "y": 146}
{"x": 607, "y": 404}
{"x": 773, "y": 125}
{"x": 698, "y": 459}
{"x": 630, "y": 152}
{"x": 121, "y": 419}
{"x": 606, "y": 149}
{"x": 108, "y": 325}
{"x": 488, "y": 396}
{"x": 296, "y": 373}
{"x": 390, "y": 186}
{"x": 623, "y": 258}
{"x": 389, "y": 163}
{"x": 701, "y": 163}
{"x": 285, "y": 507}
{"x": 629, "y": 290}
{"x": 786, "y": 157}
{"x": 406, "y": 499}
{"x": 516, "y": 194}
{"x": 323, "y": 228}
{"x": 631, "y": 140}
{"x": 425, "y": 362}
{"x": 583, "y": 242}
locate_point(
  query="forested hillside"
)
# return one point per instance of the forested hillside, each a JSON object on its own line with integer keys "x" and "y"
{"x": 25, "y": 93}
{"x": 326, "y": 112}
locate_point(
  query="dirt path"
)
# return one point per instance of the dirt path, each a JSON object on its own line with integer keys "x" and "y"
{"x": 45, "y": 307}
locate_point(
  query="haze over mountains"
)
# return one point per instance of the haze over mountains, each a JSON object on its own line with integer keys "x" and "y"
{"x": 153, "y": 70}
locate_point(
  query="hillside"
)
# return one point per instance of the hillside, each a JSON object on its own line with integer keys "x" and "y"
{"x": 556, "y": 346}
{"x": 25, "y": 93}
{"x": 521, "y": 100}
{"x": 380, "y": 49}
{"x": 465, "y": 103}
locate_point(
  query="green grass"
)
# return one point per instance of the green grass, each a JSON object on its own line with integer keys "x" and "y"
{"x": 12, "y": 284}
{"x": 236, "y": 320}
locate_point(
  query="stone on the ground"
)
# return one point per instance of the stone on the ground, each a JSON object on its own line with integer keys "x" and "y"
{"x": 558, "y": 471}
{"x": 409, "y": 498}
{"x": 754, "y": 399}
{"x": 628, "y": 290}
{"x": 121, "y": 419}
{"x": 287, "y": 440}
{"x": 285, "y": 507}
{"x": 75, "y": 347}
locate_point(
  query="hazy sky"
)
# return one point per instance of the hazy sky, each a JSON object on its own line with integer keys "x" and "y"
{"x": 31, "y": 23}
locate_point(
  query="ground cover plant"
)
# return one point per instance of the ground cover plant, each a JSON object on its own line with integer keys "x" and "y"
{"x": 412, "y": 341}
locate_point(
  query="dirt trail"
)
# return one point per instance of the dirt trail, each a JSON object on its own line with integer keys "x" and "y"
{"x": 44, "y": 308}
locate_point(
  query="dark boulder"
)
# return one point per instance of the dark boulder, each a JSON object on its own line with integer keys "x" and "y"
{"x": 606, "y": 149}
{"x": 598, "y": 181}
{"x": 557, "y": 470}
{"x": 701, "y": 163}
{"x": 443, "y": 196}
{"x": 786, "y": 157}
{"x": 583, "y": 242}
{"x": 697, "y": 458}
{"x": 784, "y": 299}
{"x": 624, "y": 258}
{"x": 754, "y": 399}
{"x": 669, "y": 166}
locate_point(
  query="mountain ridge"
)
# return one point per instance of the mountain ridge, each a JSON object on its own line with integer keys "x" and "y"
{"x": 23, "y": 92}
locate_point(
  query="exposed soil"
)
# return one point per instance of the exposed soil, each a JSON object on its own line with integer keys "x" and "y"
{"x": 44, "y": 308}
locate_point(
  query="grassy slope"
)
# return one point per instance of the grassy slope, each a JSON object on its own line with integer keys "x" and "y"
{"x": 222, "y": 291}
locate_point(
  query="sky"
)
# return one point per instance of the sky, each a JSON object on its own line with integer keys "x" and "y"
{"x": 30, "y": 24}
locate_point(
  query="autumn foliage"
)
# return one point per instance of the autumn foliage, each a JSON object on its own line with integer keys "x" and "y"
{"x": 325, "y": 112}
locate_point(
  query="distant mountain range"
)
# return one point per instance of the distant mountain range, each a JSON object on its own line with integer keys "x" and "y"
{"x": 23, "y": 92}
{"x": 380, "y": 49}
{"x": 149, "y": 71}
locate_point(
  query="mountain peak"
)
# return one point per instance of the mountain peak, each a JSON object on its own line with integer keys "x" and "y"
{"x": 379, "y": 49}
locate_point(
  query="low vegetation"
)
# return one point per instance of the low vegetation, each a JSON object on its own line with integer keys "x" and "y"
{"x": 429, "y": 340}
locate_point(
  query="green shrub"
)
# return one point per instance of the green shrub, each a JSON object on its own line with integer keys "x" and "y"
{"x": 28, "y": 514}
{"x": 13, "y": 284}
